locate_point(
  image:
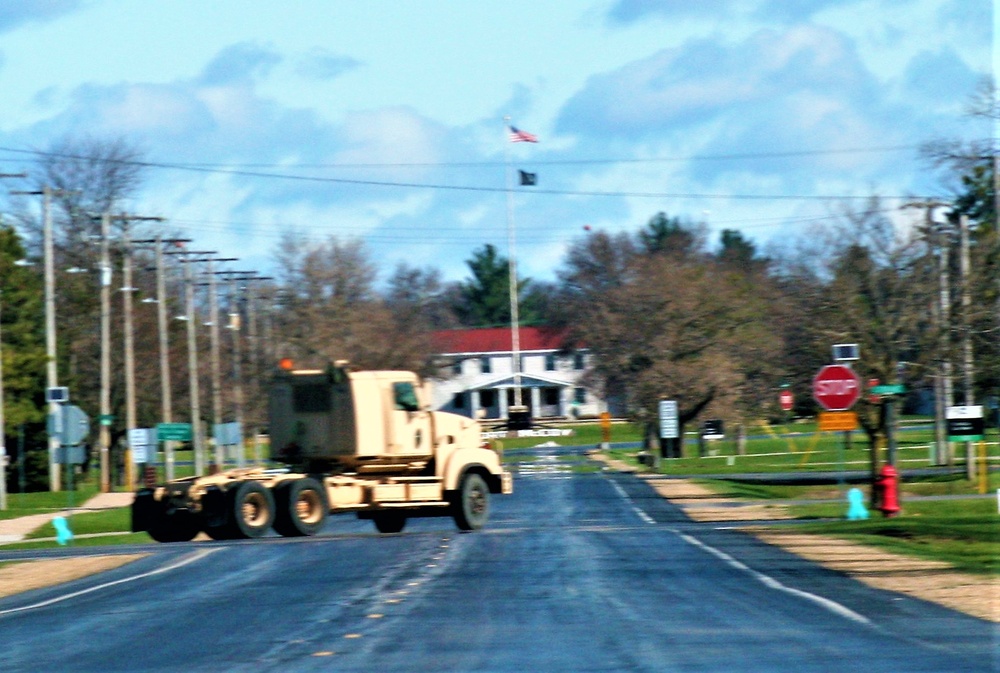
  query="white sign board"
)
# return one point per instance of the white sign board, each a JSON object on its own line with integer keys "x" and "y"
{"x": 228, "y": 434}
{"x": 964, "y": 412}
{"x": 669, "y": 428}
{"x": 140, "y": 440}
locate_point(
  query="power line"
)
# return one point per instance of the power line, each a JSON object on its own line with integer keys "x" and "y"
{"x": 472, "y": 188}
{"x": 737, "y": 156}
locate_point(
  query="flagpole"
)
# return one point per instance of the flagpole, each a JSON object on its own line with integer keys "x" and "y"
{"x": 515, "y": 330}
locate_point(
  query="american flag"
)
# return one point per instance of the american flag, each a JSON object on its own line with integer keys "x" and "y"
{"x": 519, "y": 136}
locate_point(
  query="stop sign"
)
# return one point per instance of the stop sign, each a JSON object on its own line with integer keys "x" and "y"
{"x": 836, "y": 387}
{"x": 786, "y": 399}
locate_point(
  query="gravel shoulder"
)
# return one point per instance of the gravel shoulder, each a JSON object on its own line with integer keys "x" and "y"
{"x": 933, "y": 581}
{"x": 19, "y": 576}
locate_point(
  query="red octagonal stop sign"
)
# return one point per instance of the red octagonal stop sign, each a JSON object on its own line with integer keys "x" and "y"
{"x": 836, "y": 388}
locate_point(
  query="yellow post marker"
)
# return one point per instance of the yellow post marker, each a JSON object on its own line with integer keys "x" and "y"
{"x": 605, "y": 430}
{"x": 984, "y": 477}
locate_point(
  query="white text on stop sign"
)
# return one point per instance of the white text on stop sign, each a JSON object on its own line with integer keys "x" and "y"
{"x": 836, "y": 387}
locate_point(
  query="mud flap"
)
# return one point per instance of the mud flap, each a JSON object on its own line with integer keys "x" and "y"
{"x": 215, "y": 508}
{"x": 145, "y": 510}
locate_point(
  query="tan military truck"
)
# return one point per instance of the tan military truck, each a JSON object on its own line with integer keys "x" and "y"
{"x": 353, "y": 441}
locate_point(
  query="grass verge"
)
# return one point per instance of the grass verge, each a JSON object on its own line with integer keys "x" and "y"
{"x": 963, "y": 532}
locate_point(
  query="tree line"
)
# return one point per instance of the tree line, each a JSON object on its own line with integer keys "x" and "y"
{"x": 719, "y": 326}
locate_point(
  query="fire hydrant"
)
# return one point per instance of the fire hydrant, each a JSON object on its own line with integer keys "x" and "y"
{"x": 887, "y": 487}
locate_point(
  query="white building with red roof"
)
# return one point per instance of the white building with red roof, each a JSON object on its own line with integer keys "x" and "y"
{"x": 479, "y": 380}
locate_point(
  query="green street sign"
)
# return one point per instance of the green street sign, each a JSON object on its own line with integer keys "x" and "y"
{"x": 106, "y": 419}
{"x": 173, "y": 432}
{"x": 889, "y": 389}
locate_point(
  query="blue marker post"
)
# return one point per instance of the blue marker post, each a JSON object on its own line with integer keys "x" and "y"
{"x": 857, "y": 510}
{"x": 63, "y": 533}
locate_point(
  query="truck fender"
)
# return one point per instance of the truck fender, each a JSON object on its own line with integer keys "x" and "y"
{"x": 484, "y": 461}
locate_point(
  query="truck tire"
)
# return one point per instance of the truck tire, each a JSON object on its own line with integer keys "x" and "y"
{"x": 471, "y": 507}
{"x": 180, "y": 526}
{"x": 301, "y": 507}
{"x": 389, "y": 522}
{"x": 249, "y": 512}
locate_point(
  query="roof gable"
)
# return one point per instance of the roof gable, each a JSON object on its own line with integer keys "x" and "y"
{"x": 498, "y": 340}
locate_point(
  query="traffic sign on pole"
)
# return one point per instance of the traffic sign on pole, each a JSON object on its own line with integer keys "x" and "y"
{"x": 786, "y": 399}
{"x": 836, "y": 387}
{"x": 669, "y": 428}
{"x": 965, "y": 423}
{"x": 180, "y": 432}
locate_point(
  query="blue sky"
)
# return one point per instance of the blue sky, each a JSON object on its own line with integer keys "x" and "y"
{"x": 383, "y": 119}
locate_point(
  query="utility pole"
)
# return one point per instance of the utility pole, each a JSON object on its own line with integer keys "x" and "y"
{"x": 52, "y": 374}
{"x": 967, "y": 363}
{"x": 104, "y": 437}
{"x": 938, "y": 242}
{"x": 235, "y": 278}
{"x": 166, "y": 391}
{"x": 51, "y": 371}
{"x": 127, "y": 289}
{"x": 197, "y": 436}
{"x": 215, "y": 359}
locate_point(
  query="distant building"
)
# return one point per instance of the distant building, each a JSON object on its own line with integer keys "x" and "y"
{"x": 480, "y": 375}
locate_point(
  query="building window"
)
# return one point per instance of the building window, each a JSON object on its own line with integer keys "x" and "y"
{"x": 578, "y": 362}
{"x": 580, "y": 395}
{"x": 458, "y": 402}
{"x": 550, "y": 362}
{"x": 487, "y": 399}
{"x": 485, "y": 366}
{"x": 550, "y": 396}
{"x": 456, "y": 367}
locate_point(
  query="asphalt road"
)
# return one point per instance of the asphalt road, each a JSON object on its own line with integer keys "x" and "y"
{"x": 576, "y": 572}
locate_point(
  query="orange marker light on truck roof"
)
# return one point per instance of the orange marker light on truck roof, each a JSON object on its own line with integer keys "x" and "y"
{"x": 286, "y": 363}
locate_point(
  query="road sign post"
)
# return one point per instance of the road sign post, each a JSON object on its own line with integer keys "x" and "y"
{"x": 836, "y": 387}
{"x": 786, "y": 400}
{"x": 176, "y": 432}
{"x": 669, "y": 429}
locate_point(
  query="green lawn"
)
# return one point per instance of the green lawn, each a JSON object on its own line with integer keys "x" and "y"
{"x": 963, "y": 532}
{"x": 23, "y": 504}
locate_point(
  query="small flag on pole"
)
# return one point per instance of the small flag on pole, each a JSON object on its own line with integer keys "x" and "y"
{"x": 519, "y": 136}
{"x": 528, "y": 179}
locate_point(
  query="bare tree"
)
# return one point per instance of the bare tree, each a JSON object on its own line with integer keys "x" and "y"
{"x": 330, "y": 309}
{"x": 665, "y": 323}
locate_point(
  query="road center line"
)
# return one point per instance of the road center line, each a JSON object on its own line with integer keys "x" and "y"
{"x": 180, "y": 563}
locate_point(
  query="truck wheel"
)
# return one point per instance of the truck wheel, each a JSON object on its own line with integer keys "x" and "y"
{"x": 472, "y": 504}
{"x": 301, "y": 507}
{"x": 389, "y": 522}
{"x": 176, "y": 527}
{"x": 251, "y": 509}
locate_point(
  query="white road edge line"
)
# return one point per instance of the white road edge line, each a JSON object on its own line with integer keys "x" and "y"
{"x": 766, "y": 580}
{"x": 180, "y": 563}
{"x": 635, "y": 508}
{"x": 772, "y": 583}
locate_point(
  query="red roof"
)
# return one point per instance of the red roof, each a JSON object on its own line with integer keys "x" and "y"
{"x": 498, "y": 340}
